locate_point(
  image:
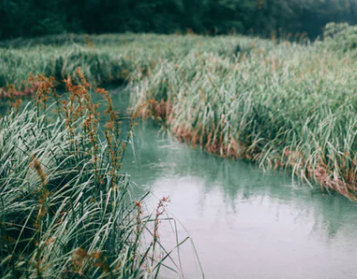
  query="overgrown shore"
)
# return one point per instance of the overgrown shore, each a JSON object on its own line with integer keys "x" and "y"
{"x": 66, "y": 209}
{"x": 281, "y": 104}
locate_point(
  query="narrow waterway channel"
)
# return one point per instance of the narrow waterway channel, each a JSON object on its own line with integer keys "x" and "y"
{"x": 244, "y": 223}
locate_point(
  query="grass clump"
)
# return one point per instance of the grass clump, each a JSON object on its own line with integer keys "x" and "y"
{"x": 66, "y": 210}
{"x": 289, "y": 106}
{"x": 340, "y": 37}
{"x": 280, "y": 104}
{"x": 103, "y": 59}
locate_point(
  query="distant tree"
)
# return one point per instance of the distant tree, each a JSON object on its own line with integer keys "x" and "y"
{"x": 29, "y": 18}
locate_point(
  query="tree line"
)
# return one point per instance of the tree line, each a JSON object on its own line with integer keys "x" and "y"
{"x": 28, "y": 18}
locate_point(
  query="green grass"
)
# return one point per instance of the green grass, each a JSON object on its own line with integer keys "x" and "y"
{"x": 287, "y": 106}
{"x": 103, "y": 59}
{"x": 280, "y": 104}
{"x": 66, "y": 209}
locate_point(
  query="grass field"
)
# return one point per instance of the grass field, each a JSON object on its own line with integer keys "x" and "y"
{"x": 279, "y": 103}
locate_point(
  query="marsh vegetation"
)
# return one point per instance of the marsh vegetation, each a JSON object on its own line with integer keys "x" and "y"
{"x": 282, "y": 104}
{"x": 67, "y": 211}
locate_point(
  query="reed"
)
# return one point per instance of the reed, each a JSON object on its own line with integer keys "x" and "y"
{"x": 66, "y": 209}
{"x": 106, "y": 59}
{"x": 278, "y": 103}
{"x": 290, "y": 106}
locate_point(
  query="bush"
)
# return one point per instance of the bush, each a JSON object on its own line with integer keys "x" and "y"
{"x": 340, "y": 37}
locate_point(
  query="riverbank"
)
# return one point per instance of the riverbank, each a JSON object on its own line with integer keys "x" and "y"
{"x": 67, "y": 210}
{"x": 279, "y": 104}
{"x": 290, "y": 106}
{"x": 249, "y": 217}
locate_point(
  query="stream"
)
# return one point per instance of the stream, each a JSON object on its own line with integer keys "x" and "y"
{"x": 243, "y": 222}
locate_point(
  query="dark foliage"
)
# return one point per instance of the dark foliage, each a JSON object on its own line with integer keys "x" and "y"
{"x": 28, "y": 18}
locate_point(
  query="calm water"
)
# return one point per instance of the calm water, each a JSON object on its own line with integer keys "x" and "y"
{"x": 244, "y": 223}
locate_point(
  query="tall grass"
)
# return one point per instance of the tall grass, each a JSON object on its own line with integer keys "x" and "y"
{"x": 103, "y": 59}
{"x": 290, "y": 106}
{"x": 66, "y": 210}
{"x": 280, "y": 104}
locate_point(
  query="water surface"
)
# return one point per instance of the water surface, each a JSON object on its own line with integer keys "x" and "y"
{"x": 244, "y": 223}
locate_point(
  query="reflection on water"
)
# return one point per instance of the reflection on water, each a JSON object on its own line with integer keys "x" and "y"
{"x": 244, "y": 223}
